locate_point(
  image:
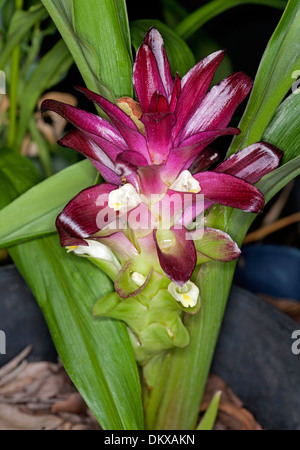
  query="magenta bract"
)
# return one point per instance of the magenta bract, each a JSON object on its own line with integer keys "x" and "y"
{"x": 161, "y": 149}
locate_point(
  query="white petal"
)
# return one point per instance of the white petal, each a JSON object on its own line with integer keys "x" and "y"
{"x": 97, "y": 250}
{"x": 187, "y": 295}
{"x": 124, "y": 199}
{"x": 138, "y": 278}
{"x": 186, "y": 183}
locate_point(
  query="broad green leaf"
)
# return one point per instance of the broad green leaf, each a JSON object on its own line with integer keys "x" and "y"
{"x": 269, "y": 185}
{"x": 209, "y": 418}
{"x": 273, "y": 182}
{"x": 286, "y": 138}
{"x": 33, "y": 214}
{"x": 283, "y": 132}
{"x": 85, "y": 58}
{"x": 102, "y": 24}
{"x": 274, "y": 78}
{"x": 109, "y": 17}
{"x": 97, "y": 353}
{"x": 180, "y": 56}
{"x": 20, "y": 25}
{"x": 202, "y": 15}
{"x": 48, "y": 72}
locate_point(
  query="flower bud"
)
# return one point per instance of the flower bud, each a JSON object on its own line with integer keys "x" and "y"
{"x": 187, "y": 295}
{"x": 186, "y": 183}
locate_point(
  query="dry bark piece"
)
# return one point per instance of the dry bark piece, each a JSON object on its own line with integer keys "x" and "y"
{"x": 73, "y": 404}
{"x": 231, "y": 414}
{"x": 40, "y": 396}
{"x": 13, "y": 418}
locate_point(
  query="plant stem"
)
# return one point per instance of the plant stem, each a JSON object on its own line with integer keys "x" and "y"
{"x": 187, "y": 372}
{"x": 180, "y": 400}
{"x": 15, "y": 66}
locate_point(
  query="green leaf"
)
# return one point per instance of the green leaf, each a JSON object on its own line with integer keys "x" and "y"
{"x": 283, "y": 131}
{"x": 269, "y": 185}
{"x": 21, "y": 23}
{"x": 274, "y": 78}
{"x": 208, "y": 420}
{"x": 180, "y": 56}
{"x": 33, "y": 214}
{"x": 94, "y": 31}
{"x": 202, "y": 15}
{"x": 102, "y": 24}
{"x": 49, "y": 70}
{"x": 85, "y": 58}
{"x": 273, "y": 182}
{"x": 96, "y": 353}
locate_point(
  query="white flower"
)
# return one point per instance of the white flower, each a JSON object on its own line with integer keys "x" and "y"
{"x": 97, "y": 250}
{"x": 187, "y": 295}
{"x": 124, "y": 199}
{"x": 138, "y": 278}
{"x": 186, "y": 183}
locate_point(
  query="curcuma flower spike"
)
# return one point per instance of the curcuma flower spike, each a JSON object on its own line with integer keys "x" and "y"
{"x": 156, "y": 159}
